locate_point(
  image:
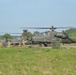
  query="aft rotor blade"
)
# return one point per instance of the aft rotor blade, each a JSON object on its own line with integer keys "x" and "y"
{"x": 15, "y": 33}
{"x": 65, "y": 34}
{"x": 68, "y": 37}
{"x": 9, "y": 33}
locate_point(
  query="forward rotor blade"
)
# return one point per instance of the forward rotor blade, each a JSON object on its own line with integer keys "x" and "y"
{"x": 52, "y": 27}
{"x": 35, "y": 28}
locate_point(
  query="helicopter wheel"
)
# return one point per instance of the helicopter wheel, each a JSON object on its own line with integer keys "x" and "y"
{"x": 45, "y": 44}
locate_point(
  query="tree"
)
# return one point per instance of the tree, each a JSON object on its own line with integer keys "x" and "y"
{"x": 71, "y": 32}
{"x": 26, "y": 34}
{"x": 36, "y": 32}
{"x": 7, "y": 36}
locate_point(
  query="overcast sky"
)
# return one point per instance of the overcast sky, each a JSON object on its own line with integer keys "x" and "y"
{"x": 38, "y": 13}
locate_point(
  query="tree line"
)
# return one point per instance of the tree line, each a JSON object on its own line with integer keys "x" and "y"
{"x": 7, "y": 35}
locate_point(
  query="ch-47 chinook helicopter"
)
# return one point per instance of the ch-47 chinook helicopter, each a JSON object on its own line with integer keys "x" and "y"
{"x": 48, "y": 37}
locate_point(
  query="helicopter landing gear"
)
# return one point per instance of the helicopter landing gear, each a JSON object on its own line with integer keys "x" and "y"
{"x": 45, "y": 44}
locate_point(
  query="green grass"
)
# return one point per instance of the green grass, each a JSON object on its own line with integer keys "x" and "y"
{"x": 73, "y": 34}
{"x": 37, "y": 61}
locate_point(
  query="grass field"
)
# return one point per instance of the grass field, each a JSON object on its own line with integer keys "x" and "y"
{"x": 37, "y": 61}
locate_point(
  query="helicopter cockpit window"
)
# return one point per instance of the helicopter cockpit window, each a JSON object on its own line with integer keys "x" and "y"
{"x": 40, "y": 35}
{"x": 43, "y": 34}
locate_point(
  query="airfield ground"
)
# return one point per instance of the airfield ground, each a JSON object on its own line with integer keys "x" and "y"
{"x": 37, "y": 61}
{"x": 62, "y": 46}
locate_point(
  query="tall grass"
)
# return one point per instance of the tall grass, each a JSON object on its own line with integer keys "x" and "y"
{"x": 37, "y": 61}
